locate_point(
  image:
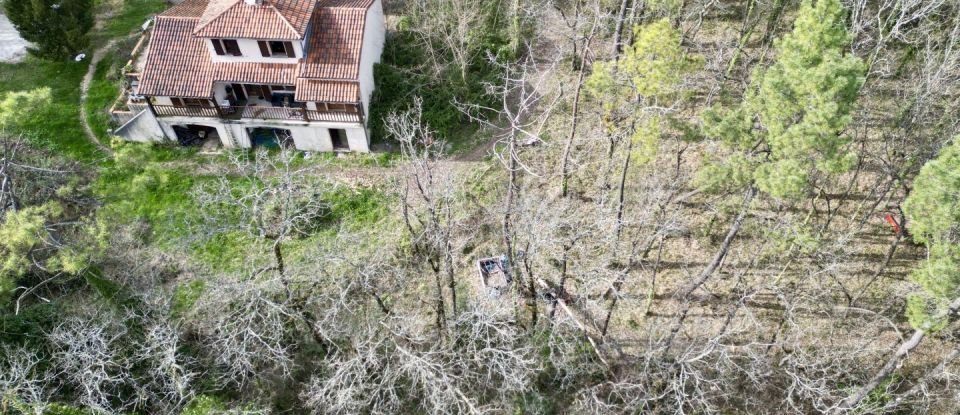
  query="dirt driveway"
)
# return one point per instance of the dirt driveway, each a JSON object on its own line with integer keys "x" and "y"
{"x": 12, "y": 47}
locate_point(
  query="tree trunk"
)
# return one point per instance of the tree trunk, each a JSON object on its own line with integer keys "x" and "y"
{"x": 711, "y": 268}
{"x": 724, "y": 247}
{"x": 623, "y": 185}
{"x": 575, "y": 117}
{"x": 852, "y": 400}
{"x": 652, "y": 292}
{"x": 618, "y": 32}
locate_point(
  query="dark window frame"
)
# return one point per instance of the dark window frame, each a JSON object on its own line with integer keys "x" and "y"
{"x": 217, "y": 47}
{"x": 276, "y": 49}
{"x": 228, "y": 46}
{"x": 232, "y": 47}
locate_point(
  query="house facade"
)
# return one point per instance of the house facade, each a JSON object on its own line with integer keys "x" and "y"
{"x": 258, "y": 73}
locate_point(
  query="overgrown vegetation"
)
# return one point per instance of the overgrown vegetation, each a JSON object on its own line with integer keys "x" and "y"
{"x": 444, "y": 53}
{"x": 692, "y": 207}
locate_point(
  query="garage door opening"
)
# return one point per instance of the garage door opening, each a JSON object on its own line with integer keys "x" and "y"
{"x": 338, "y": 137}
{"x": 270, "y": 137}
{"x": 192, "y": 135}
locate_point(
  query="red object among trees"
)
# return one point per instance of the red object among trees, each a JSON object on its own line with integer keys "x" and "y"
{"x": 893, "y": 223}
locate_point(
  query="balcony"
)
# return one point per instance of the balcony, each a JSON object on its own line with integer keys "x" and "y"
{"x": 256, "y": 112}
{"x": 172, "y": 111}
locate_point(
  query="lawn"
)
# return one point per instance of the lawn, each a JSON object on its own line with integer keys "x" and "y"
{"x": 55, "y": 127}
{"x": 146, "y": 187}
{"x": 103, "y": 92}
{"x": 128, "y": 19}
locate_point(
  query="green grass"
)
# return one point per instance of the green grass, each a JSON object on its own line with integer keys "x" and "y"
{"x": 356, "y": 208}
{"x": 144, "y": 186}
{"x": 350, "y": 209}
{"x": 103, "y": 92}
{"x": 185, "y": 296}
{"x": 56, "y": 126}
{"x": 135, "y": 187}
{"x": 130, "y": 18}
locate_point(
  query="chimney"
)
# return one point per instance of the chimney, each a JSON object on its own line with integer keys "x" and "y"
{"x": 253, "y": 2}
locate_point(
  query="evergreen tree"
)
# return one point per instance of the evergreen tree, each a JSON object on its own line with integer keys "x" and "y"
{"x": 634, "y": 88}
{"x": 58, "y": 28}
{"x": 790, "y": 122}
{"x": 933, "y": 210}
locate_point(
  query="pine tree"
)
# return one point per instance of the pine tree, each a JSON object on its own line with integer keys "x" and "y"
{"x": 58, "y": 28}
{"x": 933, "y": 212}
{"x": 790, "y": 123}
{"x": 647, "y": 75}
{"x": 788, "y": 126}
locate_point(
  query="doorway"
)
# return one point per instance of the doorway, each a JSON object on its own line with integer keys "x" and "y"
{"x": 235, "y": 91}
{"x": 192, "y": 135}
{"x": 270, "y": 138}
{"x": 338, "y": 137}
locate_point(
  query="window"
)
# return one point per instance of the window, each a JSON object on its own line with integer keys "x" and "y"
{"x": 276, "y": 49}
{"x": 341, "y": 107}
{"x": 232, "y": 47}
{"x": 190, "y": 102}
{"x": 259, "y": 91}
{"x": 217, "y": 46}
{"x": 226, "y": 47}
{"x": 282, "y": 88}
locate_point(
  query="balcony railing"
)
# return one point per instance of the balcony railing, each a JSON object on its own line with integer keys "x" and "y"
{"x": 258, "y": 113}
{"x": 274, "y": 113}
{"x": 333, "y": 116}
{"x": 171, "y": 111}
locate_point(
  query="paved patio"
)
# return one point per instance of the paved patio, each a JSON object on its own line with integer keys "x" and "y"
{"x": 12, "y": 47}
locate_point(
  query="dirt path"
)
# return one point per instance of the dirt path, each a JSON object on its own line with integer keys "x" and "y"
{"x": 85, "y": 91}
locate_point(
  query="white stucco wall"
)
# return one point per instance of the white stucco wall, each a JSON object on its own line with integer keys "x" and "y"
{"x": 374, "y": 36}
{"x": 307, "y": 137}
{"x": 316, "y": 136}
{"x": 251, "y": 52}
{"x": 311, "y": 139}
{"x": 357, "y": 139}
{"x": 142, "y": 128}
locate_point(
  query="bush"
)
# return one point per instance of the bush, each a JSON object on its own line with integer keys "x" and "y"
{"x": 401, "y": 76}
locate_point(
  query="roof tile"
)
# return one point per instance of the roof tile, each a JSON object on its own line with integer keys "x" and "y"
{"x": 274, "y": 19}
{"x": 179, "y": 64}
{"x": 335, "y": 44}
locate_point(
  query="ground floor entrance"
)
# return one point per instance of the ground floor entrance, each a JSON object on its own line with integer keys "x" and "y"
{"x": 338, "y": 137}
{"x": 195, "y": 135}
{"x": 270, "y": 137}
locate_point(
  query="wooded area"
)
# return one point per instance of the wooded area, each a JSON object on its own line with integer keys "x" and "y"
{"x": 703, "y": 206}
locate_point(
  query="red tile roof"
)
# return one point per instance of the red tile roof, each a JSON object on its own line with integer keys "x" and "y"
{"x": 327, "y": 91}
{"x": 347, "y": 4}
{"x": 335, "y": 43}
{"x": 189, "y": 9}
{"x": 179, "y": 64}
{"x": 273, "y": 19}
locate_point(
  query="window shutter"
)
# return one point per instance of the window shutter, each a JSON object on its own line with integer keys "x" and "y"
{"x": 290, "y": 52}
{"x": 217, "y": 47}
{"x": 264, "y": 49}
{"x": 232, "y": 47}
